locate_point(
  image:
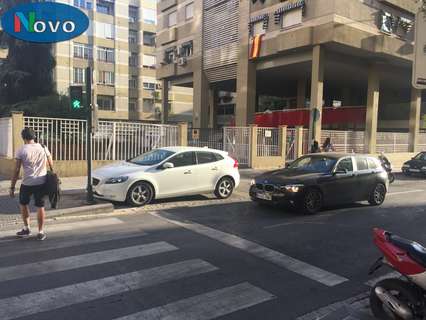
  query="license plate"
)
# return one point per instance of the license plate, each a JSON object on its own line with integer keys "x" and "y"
{"x": 263, "y": 196}
{"x": 414, "y": 170}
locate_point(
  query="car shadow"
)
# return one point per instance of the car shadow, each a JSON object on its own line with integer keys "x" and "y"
{"x": 412, "y": 177}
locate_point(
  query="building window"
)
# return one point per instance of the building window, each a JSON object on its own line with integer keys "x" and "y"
{"x": 133, "y": 82}
{"x": 104, "y": 30}
{"x": 258, "y": 28}
{"x": 82, "y": 51}
{"x": 149, "y": 85}
{"x": 186, "y": 49}
{"x": 133, "y": 14}
{"x": 149, "y": 16}
{"x": 133, "y": 37}
{"x": 148, "y": 105}
{"x": 105, "y": 103}
{"x": 170, "y": 55}
{"x": 106, "y": 7}
{"x": 79, "y": 76}
{"x": 133, "y": 59}
{"x": 106, "y": 54}
{"x": 149, "y": 61}
{"x": 292, "y": 18}
{"x": 189, "y": 11}
{"x": 172, "y": 19}
{"x": 149, "y": 39}
{"x": 84, "y": 4}
{"x": 133, "y": 105}
{"x": 106, "y": 77}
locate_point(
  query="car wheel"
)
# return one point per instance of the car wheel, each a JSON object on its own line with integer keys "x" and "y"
{"x": 311, "y": 202}
{"x": 140, "y": 194}
{"x": 378, "y": 195}
{"x": 224, "y": 188}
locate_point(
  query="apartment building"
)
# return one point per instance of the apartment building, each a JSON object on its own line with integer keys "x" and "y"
{"x": 318, "y": 63}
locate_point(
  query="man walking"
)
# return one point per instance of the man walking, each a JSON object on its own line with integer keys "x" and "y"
{"x": 33, "y": 158}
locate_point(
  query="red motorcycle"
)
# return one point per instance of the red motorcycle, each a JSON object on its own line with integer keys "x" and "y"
{"x": 405, "y": 297}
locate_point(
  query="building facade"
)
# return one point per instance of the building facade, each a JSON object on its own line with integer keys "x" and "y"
{"x": 318, "y": 63}
{"x": 119, "y": 46}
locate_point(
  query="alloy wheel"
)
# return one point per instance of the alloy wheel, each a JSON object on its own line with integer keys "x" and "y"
{"x": 140, "y": 194}
{"x": 225, "y": 188}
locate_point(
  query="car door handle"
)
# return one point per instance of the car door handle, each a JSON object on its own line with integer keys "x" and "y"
{"x": 215, "y": 168}
{"x": 187, "y": 172}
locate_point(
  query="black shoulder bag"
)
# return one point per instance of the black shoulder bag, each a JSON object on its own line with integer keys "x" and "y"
{"x": 52, "y": 184}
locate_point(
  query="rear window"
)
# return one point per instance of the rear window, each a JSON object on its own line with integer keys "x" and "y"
{"x": 372, "y": 164}
{"x": 361, "y": 163}
{"x": 206, "y": 157}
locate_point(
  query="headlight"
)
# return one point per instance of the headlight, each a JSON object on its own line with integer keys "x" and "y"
{"x": 293, "y": 187}
{"x": 252, "y": 182}
{"x": 116, "y": 180}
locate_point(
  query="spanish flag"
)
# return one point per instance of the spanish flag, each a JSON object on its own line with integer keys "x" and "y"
{"x": 255, "y": 46}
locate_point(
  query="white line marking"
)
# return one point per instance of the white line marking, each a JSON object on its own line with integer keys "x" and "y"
{"x": 71, "y": 226}
{"x": 207, "y": 306}
{"x": 68, "y": 243}
{"x": 84, "y": 260}
{"x": 278, "y": 258}
{"x": 47, "y": 300}
{"x": 404, "y": 192}
{"x": 292, "y": 223}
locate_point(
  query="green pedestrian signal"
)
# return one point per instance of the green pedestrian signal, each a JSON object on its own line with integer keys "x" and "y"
{"x": 76, "y": 96}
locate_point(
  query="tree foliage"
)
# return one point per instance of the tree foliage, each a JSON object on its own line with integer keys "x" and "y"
{"x": 27, "y": 72}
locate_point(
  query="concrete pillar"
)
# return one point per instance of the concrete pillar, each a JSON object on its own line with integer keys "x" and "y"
{"x": 17, "y": 127}
{"x": 414, "y": 123}
{"x": 183, "y": 134}
{"x": 164, "y": 101}
{"x": 298, "y": 143}
{"x": 282, "y": 141}
{"x": 373, "y": 93}
{"x": 253, "y": 145}
{"x": 301, "y": 93}
{"x": 200, "y": 117}
{"x": 246, "y": 72}
{"x": 317, "y": 92}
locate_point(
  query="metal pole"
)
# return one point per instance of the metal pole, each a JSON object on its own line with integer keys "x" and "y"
{"x": 90, "y": 199}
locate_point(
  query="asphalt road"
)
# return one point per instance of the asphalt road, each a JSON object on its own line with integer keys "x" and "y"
{"x": 204, "y": 259}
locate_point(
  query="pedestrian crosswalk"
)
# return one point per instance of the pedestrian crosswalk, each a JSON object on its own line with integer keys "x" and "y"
{"x": 46, "y": 303}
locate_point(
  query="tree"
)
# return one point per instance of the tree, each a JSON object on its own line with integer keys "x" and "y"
{"x": 27, "y": 72}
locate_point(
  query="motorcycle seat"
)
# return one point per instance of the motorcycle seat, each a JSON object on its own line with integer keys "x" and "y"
{"x": 415, "y": 250}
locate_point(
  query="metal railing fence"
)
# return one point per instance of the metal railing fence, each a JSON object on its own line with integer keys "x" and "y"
{"x": 6, "y": 149}
{"x": 206, "y": 137}
{"x": 291, "y": 144}
{"x": 392, "y": 142}
{"x": 345, "y": 141}
{"x": 267, "y": 142}
{"x": 112, "y": 140}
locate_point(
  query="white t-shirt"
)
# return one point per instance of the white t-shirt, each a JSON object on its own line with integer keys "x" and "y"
{"x": 34, "y": 161}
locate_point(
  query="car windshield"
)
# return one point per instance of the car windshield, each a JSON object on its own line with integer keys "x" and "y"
{"x": 314, "y": 164}
{"x": 420, "y": 156}
{"x": 151, "y": 158}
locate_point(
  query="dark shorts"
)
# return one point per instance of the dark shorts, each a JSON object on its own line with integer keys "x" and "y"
{"x": 38, "y": 192}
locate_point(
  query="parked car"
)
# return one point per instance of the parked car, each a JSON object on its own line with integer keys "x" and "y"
{"x": 315, "y": 180}
{"x": 165, "y": 173}
{"x": 416, "y": 165}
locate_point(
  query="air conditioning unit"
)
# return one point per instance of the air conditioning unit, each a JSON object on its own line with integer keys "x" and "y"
{"x": 181, "y": 61}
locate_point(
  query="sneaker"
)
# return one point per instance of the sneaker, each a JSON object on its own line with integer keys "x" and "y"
{"x": 41, "y": 236}
{"x": 23, "y": 233}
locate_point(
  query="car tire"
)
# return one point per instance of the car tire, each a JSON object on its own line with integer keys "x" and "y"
{"x": 311, "y": 202}
{"x": 140, "y": 194}
{"x": 378, "y": 195}
{"x": 224, "y": 188}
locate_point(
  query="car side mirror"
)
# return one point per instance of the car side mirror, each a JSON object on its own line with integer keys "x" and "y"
{"x": 168, "y": 165}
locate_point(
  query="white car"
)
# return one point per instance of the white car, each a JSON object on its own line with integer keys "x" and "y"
{"x": 165, "y": 173}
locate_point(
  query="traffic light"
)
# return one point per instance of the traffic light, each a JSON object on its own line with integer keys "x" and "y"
{"x": 76, "y": 96}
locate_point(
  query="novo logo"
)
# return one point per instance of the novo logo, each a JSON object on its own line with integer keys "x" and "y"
{"x": 45, "y": 22}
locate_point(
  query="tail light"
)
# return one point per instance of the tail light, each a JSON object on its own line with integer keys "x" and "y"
{"x": 236, "y": 164}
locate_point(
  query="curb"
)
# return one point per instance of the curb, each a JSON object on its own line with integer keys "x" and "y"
{"x": 83, "y": 210}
